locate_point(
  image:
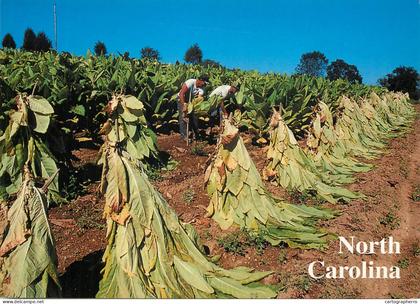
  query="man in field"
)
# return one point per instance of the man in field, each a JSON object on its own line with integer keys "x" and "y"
{"x": 191, "y": 89}
{"x": 224, "y": 93}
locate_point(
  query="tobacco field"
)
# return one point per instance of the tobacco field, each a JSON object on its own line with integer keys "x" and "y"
{"x": 100, "y": 197}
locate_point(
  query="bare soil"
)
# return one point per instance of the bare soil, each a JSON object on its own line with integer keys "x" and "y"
{"x": 389, "y": 210}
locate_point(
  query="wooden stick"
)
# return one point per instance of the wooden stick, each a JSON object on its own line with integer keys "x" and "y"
{"x": 49, "y": 181}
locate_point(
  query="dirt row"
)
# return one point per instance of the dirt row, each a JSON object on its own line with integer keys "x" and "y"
{"x": 389, "y": 210}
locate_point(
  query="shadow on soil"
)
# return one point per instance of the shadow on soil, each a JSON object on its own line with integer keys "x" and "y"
{"x": 81, "y": 279}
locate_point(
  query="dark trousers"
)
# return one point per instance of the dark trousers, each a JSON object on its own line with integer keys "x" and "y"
{"x": 183, "y": 125}
{"x": 218, "y": 112}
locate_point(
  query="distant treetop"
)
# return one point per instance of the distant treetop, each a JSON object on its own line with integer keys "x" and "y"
{"x": 29, "y": 40}
{"x": 150, "y": 53}
{"x": 339, "y": 69}
{"x": 8, "y": 41}
{"x": 404, "y": 79}
{"x": 194, "y": 54}
{"x": 32, "y": 42}
{"x": 211, "y": 63}
{"x": 42, "y": 42}
{"x": 100, "y": 48}
{"x": 313, "y": 64}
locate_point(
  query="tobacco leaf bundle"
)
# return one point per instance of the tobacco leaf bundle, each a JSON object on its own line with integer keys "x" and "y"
{"x": 203, "y": 108}
{"x": 361, "y": 130}
{"x": 393, "y": 110}
{"x": 27, "y": 251}
{"x": 134, "y": 135}
{"x": 384, "y": 129}
{"x": 354, "y": 134}
{"x": 23, "y": 142}
{"x": 291, "y": 168}
{"x": 329, "y": 153}
{"x": 368, "y": 128}
{"x": 398, "y": 103}
{"x": 150, "y": 253}
{"x": 238, "y": 197}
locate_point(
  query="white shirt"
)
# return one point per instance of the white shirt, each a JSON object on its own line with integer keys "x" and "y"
{"x": 192, "y": 85}
{"x": 221, "y": 91}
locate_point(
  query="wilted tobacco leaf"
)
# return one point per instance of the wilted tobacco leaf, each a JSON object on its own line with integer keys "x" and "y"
{"x": 28, "y": 250}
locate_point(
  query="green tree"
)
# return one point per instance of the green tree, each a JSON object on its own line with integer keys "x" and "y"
{"x": 42, "y": 43}
{"x": 100, "y": 48}
{"x": 340, "y": 69}
{"x": 404, "y": 79}
{"x": 29, "y": 40}
{"x": 211, "y": 63}
{"x": 313, "y": 64}
{"x": 126, "y": 56}
{"x": 8, "y": 41}
{"x": 194, "y": 54}
{"x": 150, "y": 53}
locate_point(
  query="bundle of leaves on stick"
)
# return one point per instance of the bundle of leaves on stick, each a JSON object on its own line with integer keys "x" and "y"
{"x": 127, "y": 113}
{"x": 238, "y": 197}
{"x": 328, "y": 153}
{"x": 374, "y": 137}
{"x": 27, "y": 252}
{"x": 398, "y": 118}
{"x": 382, "y": 127}
{"x": 350, "y": 132}
{"x": 150, "y": 253}
{"x": 398, "y": 102}
{"x": 292, "y": 169}
{"x": 203, "y": 108}
{"x": 392, "y": 114}
{"x": 24, "y": 142}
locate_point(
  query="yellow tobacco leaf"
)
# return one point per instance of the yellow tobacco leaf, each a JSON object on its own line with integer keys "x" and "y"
{"x": 122, "y": 217}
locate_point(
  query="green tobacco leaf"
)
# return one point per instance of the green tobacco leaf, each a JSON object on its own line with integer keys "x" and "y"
{"x": 46, "y": 165}
{"x": 131, "y": 129}
{"x": 235, "y": 289}
{"x": 40, "y": 105}
{"x": 41, "y": 123}
{"x": 132, "y": 102}
{"x": 192, "y": 275}
{"x": 127, "y": 116}
{"x": 235, "y": 181}
{"x": 79, "y": 110}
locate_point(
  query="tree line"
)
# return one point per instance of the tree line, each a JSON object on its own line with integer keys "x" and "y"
{"x": 405, "y": 79}
{"x": 315, "y": 63}
{"x": 31, "y": 41}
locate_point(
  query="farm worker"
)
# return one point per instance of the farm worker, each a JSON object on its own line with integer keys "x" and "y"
{"x": 191, "y": 89}
{"x": 224, "y": 93}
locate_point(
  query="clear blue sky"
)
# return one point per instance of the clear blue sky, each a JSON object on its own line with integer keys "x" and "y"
{"x": 375, "y": 35}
